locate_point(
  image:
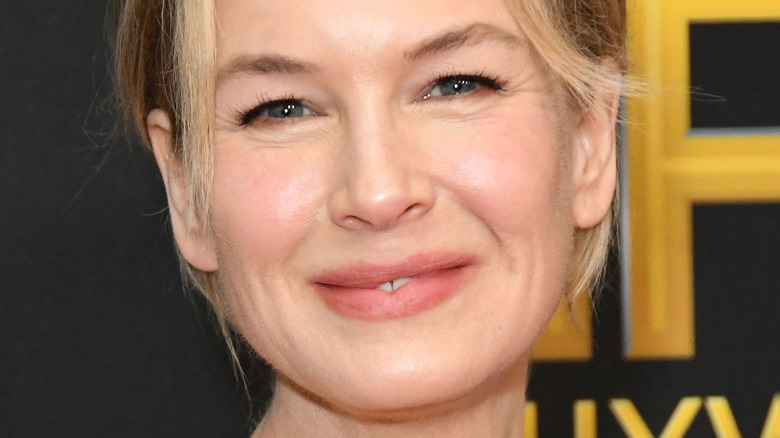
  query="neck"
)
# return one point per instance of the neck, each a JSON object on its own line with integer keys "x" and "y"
{"x": 495, "y": 409}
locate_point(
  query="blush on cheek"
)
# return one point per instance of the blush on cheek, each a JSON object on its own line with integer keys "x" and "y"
{"x": 511, "y": 169}
{"x": 263, "y": 202}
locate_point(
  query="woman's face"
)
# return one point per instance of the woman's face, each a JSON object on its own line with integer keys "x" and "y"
{"x": 395, "y": 192}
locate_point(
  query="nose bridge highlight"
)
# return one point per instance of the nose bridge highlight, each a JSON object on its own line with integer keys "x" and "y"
{"x": 381, "y": 184}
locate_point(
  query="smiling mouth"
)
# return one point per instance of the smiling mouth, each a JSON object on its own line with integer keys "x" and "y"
{"x": 406, "y": 288}
{"x": 391, "y": 277}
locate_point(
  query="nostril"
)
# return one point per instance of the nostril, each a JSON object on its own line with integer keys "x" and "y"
{"x": 412, "y": 210}
{"x": 381, "y": 198}
{"x": 378, "y": 219}
{"x": 352, "y": 221}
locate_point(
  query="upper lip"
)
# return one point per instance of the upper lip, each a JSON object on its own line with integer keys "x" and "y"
{"x": 371, "y": 276}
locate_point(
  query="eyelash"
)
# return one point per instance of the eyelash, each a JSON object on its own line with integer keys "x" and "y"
{"x": 263, "y": 104}
{"x": 481, "y": 79}
{"x": 246, "y": 117}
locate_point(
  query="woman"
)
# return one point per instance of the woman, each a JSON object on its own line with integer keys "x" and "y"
{"x": 386, "y": 202}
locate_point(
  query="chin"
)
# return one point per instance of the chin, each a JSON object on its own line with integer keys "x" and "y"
{"x": 418, "y": 388}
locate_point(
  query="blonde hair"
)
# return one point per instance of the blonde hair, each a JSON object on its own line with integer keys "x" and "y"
{"x": 165, "y": 52}
{"x": 583, "y": 43}
{"x": 165, "y": 57}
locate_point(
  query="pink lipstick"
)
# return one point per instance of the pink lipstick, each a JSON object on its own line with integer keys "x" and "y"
{"x": 387, "y": 291}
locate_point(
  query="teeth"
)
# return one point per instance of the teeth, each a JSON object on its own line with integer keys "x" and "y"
{"x": 400, "y": 282}
{"x": 392, "y": 286}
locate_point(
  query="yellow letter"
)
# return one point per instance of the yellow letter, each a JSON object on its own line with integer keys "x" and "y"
{"x": 772, "y": 425}
{"x": 635, "y": 427}
{"x": 530, "y": 421}
{"x": 682, "y": 417}
{"x": 630, "y": 420}
{"x": 585, "y": 419}
{"x": 722, "y": 419}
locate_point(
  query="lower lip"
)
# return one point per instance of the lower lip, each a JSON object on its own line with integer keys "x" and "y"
{"x": 421, "y": 293}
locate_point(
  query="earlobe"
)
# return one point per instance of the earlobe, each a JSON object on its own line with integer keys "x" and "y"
{"x": 195, "y": 244}
{"x": 595, "y": 161}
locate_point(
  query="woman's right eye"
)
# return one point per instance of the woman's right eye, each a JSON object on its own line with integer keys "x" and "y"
{"x": 277, "y": 111}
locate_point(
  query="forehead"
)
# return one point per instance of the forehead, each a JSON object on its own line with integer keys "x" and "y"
{"x": 303, "y": 28}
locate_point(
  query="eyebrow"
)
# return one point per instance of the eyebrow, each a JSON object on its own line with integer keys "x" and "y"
{"x": 464, "y": 36}
{"x": 265, "y": 63}
{"x": 452, "y": 39}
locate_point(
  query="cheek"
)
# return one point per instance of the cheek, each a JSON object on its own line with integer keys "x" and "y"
{"x": 513, "y": 176}
{"x": 512, "y": 173}
{"x": 263, "y": 204}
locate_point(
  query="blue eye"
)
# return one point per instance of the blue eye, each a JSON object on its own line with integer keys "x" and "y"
{"x": 460, "y": 84}
{"x": 277, "y": 110}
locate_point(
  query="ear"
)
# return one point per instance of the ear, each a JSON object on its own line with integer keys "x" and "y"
{"x": 595, "y": 159}
{"x": 196, "y": 245}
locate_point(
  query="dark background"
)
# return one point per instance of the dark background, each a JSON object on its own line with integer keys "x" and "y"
{"x": 98, "y": 337}
{"x": 735, "y": 75}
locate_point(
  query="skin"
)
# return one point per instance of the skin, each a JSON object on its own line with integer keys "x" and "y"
{"x": 378, "y": 172}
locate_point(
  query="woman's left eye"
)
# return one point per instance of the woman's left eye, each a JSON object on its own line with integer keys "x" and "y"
{"x": 460, "y": 84}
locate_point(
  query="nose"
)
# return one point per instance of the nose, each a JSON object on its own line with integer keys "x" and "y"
{"x": 382, "y": 183}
